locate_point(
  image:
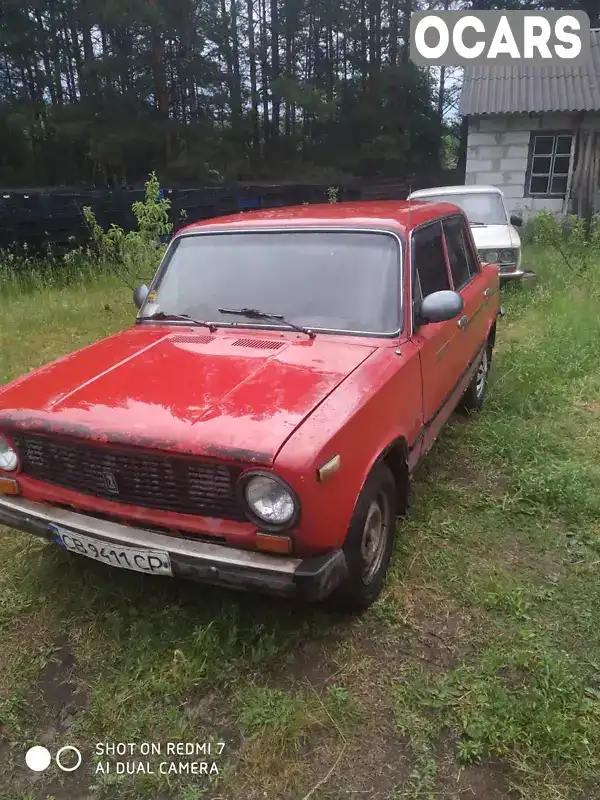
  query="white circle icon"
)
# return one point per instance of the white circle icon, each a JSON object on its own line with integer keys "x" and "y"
{"x": 38, "y": 758}
{"x": 66, "y": 749}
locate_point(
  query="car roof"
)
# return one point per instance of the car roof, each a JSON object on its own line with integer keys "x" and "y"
{"x": 447, "y": 190}
{"x": 398, "y": 216}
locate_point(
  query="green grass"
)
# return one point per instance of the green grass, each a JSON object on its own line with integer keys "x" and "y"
{"x": 477, "y": 674}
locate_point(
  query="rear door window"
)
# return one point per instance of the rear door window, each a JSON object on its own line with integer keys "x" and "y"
{"x": 460, "y": 256}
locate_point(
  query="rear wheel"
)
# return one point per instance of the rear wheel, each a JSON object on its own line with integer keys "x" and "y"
{"x": 370, "y": 542}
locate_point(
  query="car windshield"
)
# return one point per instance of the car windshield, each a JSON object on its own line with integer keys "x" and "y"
{"x": 329, "y": 280}
{"x": 485, "y": 208}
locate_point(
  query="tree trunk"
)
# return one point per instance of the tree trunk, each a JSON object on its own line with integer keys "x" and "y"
{"x": 364, "y": 67}
{"x": 159, "y": 77}
{"x": 89, "y": 81}
{"x": 254, "y": 100}
{"x": 50, "y": 85}
{"x": 76, "y": 51}
{"x": 55, "y": 54}
{"x": 393, "y": 14}
{"x": 407, "y": 13}
{"x": 275, "y": 72}
{"x": 331, "y": 62}
{"x": 69, "y": 58}
{"x": 289, "y": 69}
{"x": 228, "y": 58}
{"x": 461, "y": 165}
{"x": 237, "y": 83}
{"x": 264, "y": 70}
{"x": 441, "y": 93}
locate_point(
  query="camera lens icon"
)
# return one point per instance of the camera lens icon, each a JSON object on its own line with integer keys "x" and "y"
{"x": 38, "y": 758}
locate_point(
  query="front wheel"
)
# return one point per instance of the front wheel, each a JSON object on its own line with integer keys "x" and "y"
{"x": 370, "y": 542}
{"x": 474, "y": 396}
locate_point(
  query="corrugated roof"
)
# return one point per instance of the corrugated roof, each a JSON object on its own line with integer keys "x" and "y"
{"x": 525, "y": 89}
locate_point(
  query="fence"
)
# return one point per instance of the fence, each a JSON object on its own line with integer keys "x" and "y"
{"x": 400, "y": 188}
{"x": 48, "y": 217}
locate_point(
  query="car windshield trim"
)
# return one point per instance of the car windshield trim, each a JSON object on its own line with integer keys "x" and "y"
{"x": 249, "y": 229}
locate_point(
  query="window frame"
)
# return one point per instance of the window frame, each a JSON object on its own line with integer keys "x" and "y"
{"x": 429, "y": 224}
{"x": 414, "y": 276}
{"x": 466, "y": 230}
{"x": 412, "y": 272}
{"x": 224, "y": 230}
{"x": 529, "y": 174}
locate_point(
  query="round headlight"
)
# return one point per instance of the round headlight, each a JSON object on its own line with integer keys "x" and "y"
{"x": 491, "y": 256}
{"x": 270, "y": 499}
{"x": 507, "y": 256}
{"x": 9, "y": 460}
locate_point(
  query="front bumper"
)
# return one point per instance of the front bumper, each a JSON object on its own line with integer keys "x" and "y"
{"x": 309, "y": 578}
{"x": 509, "y": 276}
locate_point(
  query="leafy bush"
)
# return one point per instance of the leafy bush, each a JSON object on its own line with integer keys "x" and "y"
{"x": 577, "y": 240}
{"x": 134, "y": 255}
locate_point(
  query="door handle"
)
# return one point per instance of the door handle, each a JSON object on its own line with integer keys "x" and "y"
{"x": 462, "y": 322}
{"x": 489, "y": 292}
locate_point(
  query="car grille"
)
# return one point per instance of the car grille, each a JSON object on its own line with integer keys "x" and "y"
{"x": 168, "y": 483}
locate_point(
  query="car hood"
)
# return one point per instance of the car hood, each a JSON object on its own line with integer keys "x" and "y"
{"x": 495, "y": 236}
{"x": 234, "y": 396}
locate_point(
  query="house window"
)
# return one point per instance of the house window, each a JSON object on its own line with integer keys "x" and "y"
{"x": 549, "y": 156}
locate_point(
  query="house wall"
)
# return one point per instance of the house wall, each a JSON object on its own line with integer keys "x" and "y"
{"x": 498, "y": 150}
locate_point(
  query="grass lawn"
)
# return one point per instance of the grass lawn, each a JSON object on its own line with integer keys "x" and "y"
{"x": 476, "y": 675}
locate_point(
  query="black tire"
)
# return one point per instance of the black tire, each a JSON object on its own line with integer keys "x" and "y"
{"x": 474, "y": 396}
{"x": 363, "y": 584}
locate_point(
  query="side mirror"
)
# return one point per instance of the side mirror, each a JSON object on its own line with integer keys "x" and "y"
{"x": 516, "y": 221}
{"x": 440, "y": 307}
{"x": 140, "y": 294}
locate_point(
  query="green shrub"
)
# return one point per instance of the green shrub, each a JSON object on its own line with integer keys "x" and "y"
{"x": 134, "y": 255}
{"x": 575, "y": 239}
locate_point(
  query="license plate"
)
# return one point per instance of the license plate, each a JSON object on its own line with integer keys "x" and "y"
{"x": 152, "y": 562}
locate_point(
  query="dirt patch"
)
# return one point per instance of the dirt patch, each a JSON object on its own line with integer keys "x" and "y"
{"x": 373, "y": 764}
{"x": 460, "y": 470}
{"x": 591, "y": 405}
{"x": 478, "y": 782}
{"x": 438, "y": 629}
{"x": 311, "y": 662}
{"x": 212, "y": 712}
{"x": 58, "y": 694}
{"x": 471, "y": 476}
{"x": 369, "y": 762}
{"x": 50, "y": 710}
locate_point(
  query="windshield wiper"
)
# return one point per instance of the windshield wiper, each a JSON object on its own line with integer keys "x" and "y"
{"x": 255, "y": 313}
{"x": 476, "y": 222}
{"x": 184, "y": 318}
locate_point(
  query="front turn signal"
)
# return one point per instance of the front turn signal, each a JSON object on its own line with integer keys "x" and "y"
{"x": 274, "y": 544}
{"x": 9, "y": 486}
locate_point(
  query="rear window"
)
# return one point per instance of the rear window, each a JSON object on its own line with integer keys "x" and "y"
{"x": 462, "y": 263}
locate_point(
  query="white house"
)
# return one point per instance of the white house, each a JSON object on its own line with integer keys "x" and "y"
{"x": 535, "y": 133}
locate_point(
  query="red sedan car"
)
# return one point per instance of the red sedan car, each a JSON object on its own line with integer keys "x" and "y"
{"x": 258, "y": 425}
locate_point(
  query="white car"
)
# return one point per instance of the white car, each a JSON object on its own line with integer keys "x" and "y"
{"x": 494, "y": 231}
